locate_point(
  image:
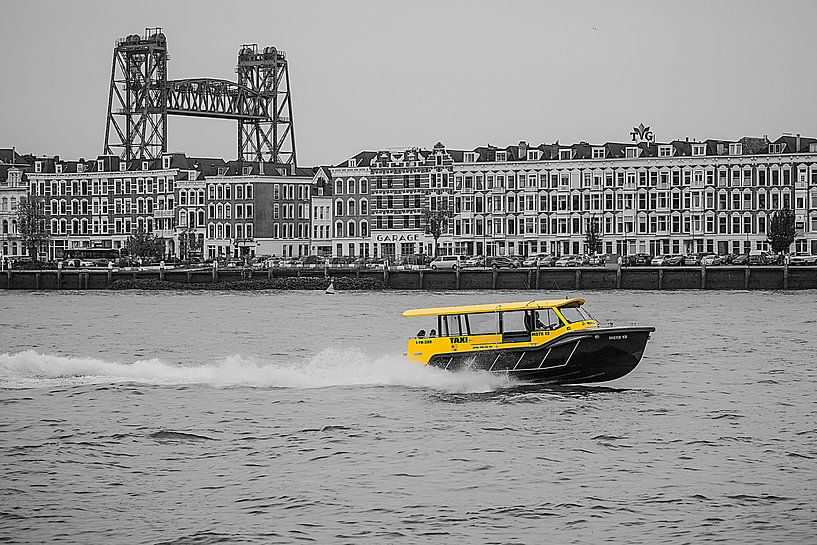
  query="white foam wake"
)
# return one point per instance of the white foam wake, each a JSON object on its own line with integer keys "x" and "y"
{"x": 331, "y": 367}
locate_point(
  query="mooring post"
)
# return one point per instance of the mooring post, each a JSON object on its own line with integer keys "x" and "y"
{"x": 422, "y": 279}
{"x": 746, "y": 274}
{"x": 110, "y": 274}
{"x": 457, "y": 276}
{"x": 618, "y": 278}
{"x": 537, "y": 274}
{"x": 37, "y": 277}
{"x": 59, "y": 275}
{"x": 189, "y": 276}
{"x": 386, "y": 273}
{"x": 494, "y": 273}
{"x": 786, "y": 274}
{"x": 215, "y": 271}
{"x": 661, "y": 278}
{"x": 578, "y": 279}
{"x": 703, "y": 277}
{"x": 162, "y": 270}
{"x": 530, "y": 277}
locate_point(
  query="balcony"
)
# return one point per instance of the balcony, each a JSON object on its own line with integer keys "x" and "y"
{"x": 162, "y": 214}
{"x": 164, "y": 233}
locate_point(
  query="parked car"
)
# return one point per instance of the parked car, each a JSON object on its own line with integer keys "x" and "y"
{"x": 502, "y": 262}
{"x": 712, "y": 259}
{"x": 598, "y": 259}
{"x": 802, "y": 259}
{"x": 474, "y": 261}
{"x": 571, "y": 261}
{"x": 761, "y": 257}
{"x": 740, "y": 259}
{"x": 693, "y": 259}
{"x": 452, "y": 262}
{"x": 540, "y": 260}
{"x": 637, "y": 259}
{"x": 667, "y": 260}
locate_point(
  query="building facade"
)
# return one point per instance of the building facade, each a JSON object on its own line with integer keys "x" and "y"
{"x": 13, "y": 189}
{"x": 678, "y": 197}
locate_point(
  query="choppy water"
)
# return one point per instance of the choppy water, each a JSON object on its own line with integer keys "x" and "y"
{"x": 284, "y": 417}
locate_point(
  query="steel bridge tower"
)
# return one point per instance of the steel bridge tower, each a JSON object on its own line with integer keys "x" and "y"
{"x": 271, "y": 139}
{"x": 137, "y": 102}
{"x": 141, "y": 97}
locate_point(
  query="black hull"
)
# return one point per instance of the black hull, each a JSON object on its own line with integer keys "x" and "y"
{"x": 578, "y": 357}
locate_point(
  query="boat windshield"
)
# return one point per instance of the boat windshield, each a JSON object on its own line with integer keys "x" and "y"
{"x": 575, "y": 314}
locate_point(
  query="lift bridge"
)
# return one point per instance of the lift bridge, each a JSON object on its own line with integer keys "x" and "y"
{"x": 141, "y": 97}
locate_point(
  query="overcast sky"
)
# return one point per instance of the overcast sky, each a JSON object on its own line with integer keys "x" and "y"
{"x": 373, "y": 75}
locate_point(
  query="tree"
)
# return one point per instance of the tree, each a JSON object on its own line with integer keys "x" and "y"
{"x": 592, "y": 236}
{"x": 145, "y": 245}
{"x": 189, "y": 243}
{"x": 781, "y": 230}
{"x": 436, "y": 221}
{"x": 31, "y": 225}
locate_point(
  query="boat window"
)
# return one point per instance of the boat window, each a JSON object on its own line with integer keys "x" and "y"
{"x": 549, "y": 319}
{"x": 482, "y": 324}
{"x": 514, "y": 321}
{"x": 575, "y": 314}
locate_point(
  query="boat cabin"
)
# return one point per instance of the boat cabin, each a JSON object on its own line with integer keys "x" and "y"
{"x": 495, "y": 326}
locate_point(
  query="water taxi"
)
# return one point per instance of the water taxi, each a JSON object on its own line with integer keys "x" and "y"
{"x": 548, "y": 341}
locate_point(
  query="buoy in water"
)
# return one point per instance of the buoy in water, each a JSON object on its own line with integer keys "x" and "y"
{"x": 331, "y": 289}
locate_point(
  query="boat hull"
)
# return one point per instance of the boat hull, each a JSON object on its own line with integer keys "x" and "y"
{"x": 578, "y": 357}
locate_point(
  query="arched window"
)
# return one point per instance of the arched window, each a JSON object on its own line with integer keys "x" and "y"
{"x": 201, "y": 197}
{"x": 351, "y": 228}
{"x": 339, "y": 229}
{"x": 248, "y": 230}
{"x": 338, "y": 207}
{"x": 211, "y": 230}
{"x": 248, "y": 191}
{"x": 63, "y": 226}
{"x": 219, "y": 192}
{"x": 239, "y": 210}
{"x": 182, "y": 197}
{"x": 239, "y": 230}
{"x": 364, "y": 228}
{"x": 364, "y": 185}
{"x": 339, "y": 187}
{"x": 150, "y": 205}
{"x": 219, "y": 230}
{"x": 183, "y": 218}
{"x": 239, "y": 192}
{"x": 211, "y": 210}
{"x": 228, "y": 192}
{"x": 228, "y": 210}
{"x": 351, "y": 185}
{"x": 350, "y": 207}
{"x": 228, "y": 230}
{"x": 201, "y": 217}
{"x": 276, "y": 230}
{"x": 364, "y": 207}
{"x": 211, "y": 193}
{"x": 5, "y": 227}
{"x": 219, "y": 210}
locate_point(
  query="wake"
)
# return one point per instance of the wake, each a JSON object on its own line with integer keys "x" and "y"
{"x": 331, "y": 367}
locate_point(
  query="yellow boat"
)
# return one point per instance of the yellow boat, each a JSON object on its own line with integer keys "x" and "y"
{"x": 550, "y": 341}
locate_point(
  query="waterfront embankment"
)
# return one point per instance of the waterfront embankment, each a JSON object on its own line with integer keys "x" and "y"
{"x": 584, "y": 278}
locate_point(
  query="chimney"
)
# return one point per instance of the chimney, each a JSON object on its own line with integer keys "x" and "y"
{"x": 797, "y": 145}
{"x": 523, "y": 150}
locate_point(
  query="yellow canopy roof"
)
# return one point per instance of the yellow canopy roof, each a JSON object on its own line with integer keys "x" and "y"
{"x": 495, "y": 307}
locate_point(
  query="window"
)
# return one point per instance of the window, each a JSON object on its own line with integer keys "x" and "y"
{"x": 631, "y": 152}
{"x": 664, "y": 151}
{"x": 166, "y": 162}
{"x": 698, "y": 149}
{"x": 598, "y": 153}
{"x": 469, "y": 157}
{"x": 565, "y": 154}
{"x": 501, "y": 156}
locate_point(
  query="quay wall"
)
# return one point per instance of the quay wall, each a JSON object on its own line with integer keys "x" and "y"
{"x": 549, "y": 279}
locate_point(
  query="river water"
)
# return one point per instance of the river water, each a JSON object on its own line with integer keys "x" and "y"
{"x": 281, "y": 417}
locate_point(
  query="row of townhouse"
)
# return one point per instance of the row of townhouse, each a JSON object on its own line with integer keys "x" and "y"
{"x": 677, "y": 197}
{"x": 227, "y": 209}
{"x": 13, "y": 189}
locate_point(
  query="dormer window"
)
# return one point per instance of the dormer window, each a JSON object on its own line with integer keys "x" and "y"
{"x": 735, "y": 148}
{"x": 469, "y": 157}
{"x": 123, "y": 166}
{"x": 598, "y": 153}
{"x": 501, "y": 156}
{"x": 166, "y": 162}
{"x": 246, "y": 171}
{"x": 565, "y": 154}
{"x": 776, "y": 148}
{"x": 80, "y": 167}
{"x": 631, "y": 152}
{"x": 222, "y": 171}
{"x": 38, "y": 166}
{"x": 352, "y": 163}
{"x": 698, "y": 149}
{"x": 145, "y": 165}
{"x": 812, "y": 148}
{"x": 58, "y": 168}
{"x": 533, "y": 154}
{"x": 100, "y": 165}
{"x": 664, "y": 151}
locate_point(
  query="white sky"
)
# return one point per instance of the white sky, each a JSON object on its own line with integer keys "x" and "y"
{"x": 371, "y": 75}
